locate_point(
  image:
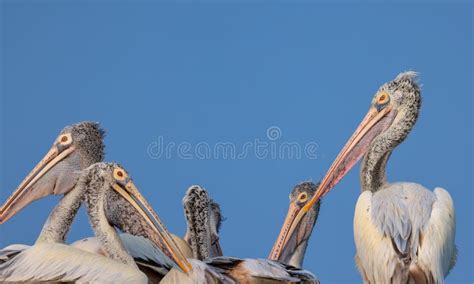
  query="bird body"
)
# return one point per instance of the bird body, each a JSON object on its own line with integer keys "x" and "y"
{"x": 232, "y": 270}
{"x": 256, "y": 271}
{"x": 137, "y": 246}
{"x": 201, "y": 273}
{"x": 404, "y": 226}
{"x": 60, "y": 262}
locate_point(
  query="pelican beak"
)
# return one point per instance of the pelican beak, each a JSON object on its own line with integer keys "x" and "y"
{"x": 163, "y": 238}
{"x": 26, "y": 192}
{"x": 216, "y": 247}
{"x": 373, "y": 124}
{"x": 277, "y": 249}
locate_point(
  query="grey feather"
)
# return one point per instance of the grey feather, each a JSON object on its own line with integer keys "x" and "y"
{"x": 141, "y": 248}
{"x": 10, "y": 251}
{"x": 424, "y": 254}
{"x": 400, "y": 211}
{"x": 265, "y": 269}
{"x": 202, "y": 273}
{"x": 268, "y": 269}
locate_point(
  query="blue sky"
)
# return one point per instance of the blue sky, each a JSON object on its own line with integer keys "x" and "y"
{"x": 192, "y": 72}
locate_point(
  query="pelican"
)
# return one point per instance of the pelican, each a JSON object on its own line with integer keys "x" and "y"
{"x": 225, "y": 269}
{"x": 204, "y": 219}
{"x": 101, "y": 182}
{"x": 404, "y": 233}
{"x": 294, "y": 251}
{"x": 77, "y": 147}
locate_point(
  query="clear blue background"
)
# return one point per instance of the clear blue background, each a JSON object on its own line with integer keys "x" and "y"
{"x": 226, "y": 72}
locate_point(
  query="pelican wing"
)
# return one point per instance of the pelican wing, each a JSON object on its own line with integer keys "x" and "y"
{"x": 391, "y": 227}
{"x": 150, "y": 260}
{"x": 375, "y": 255}
{"x": 262, "y": 269}
{"x": 224, "y": 262}
{"x": 10, "y": 251}
{"x": 437, "y": 253}
{"x": 90, "y": 244}
{"x": 272, "y": 270}
{"x": 59, "y": 262}
{"x": 138, "y": 247}
{"x": 141, "y": 248}
{"x": 201, "y": 273}
{"x": 304, "y": 275}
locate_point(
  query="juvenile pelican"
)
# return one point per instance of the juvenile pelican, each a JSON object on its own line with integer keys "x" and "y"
{"x": 203, "y": 216}
{"x": 58, "y": 262}
{"x": 404, "y": 233}
{"x": 294, "y": 250}
{"x": 225, "y": 269}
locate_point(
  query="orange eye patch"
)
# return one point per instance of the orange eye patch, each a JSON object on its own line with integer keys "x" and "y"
{"x": 119, "y": 174}
{"x": 382, "y": 98}
{"x": 65, "y": 139}
{"x": 302, "y": 197}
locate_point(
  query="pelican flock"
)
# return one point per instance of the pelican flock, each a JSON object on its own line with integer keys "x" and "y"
{"x": 403, "y": 232}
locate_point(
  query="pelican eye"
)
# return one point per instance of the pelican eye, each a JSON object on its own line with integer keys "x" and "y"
{"x": 119, "y": 174}
{"x": 382, "y": 98}
{"x": 302, "y": 197}
{"x": 65, "y": 139}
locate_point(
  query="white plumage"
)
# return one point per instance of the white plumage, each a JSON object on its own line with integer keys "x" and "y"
{"x": 390, "y": 226}
{"x": 54, "y": 262}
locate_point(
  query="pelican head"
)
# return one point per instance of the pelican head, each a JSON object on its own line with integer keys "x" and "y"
{"x": 293, "y": 250}
{"x": 77, "y": 147}
{"x": 204, "y": 219}
{"x": 110, "y": 189}
{"x": 392, "y": 114}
